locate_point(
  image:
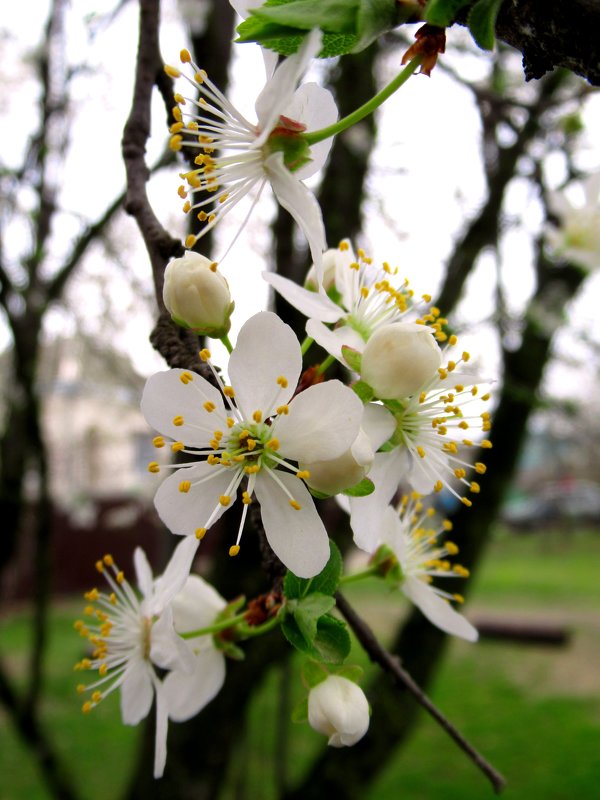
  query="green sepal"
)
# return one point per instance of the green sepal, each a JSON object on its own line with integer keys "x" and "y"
{"x": 482, "y": 22}
{"x": 300, "y": 712}
{"x": 230, "y": 649}
{"x": 326, "y": 582}
{"x": 360, "y": 489}
{"x": 443, "y": 12}
{"x": 363, "y": 390}
{"x": 313, "y": 673}
{"x": 352, "y": 357}
{"x": 317, "y": 494}
{"x": 387, "y": 565}
{"x": 351, "y": 672}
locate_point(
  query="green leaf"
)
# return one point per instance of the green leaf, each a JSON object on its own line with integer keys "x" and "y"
{"x": 482, "y": 22}
{"x": 352, "y": 357}
{"x": 326, "y": 582}
{"x": 313, "y": 673}
{"x": 363, "y": 390}
{"x": 374, "y": 18}
{"x": 443, "y": 12}
{"x": 316, "y": 493}
{"x": 333, "y": 640}
{"x": 360, "y": 489}
{"x": 293, "y": 634}
{"x": 332, "y": 16}
{"x": 308, "y": 612}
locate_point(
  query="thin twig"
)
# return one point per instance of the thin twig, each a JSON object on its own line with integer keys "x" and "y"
{"x": 391, "y": 664}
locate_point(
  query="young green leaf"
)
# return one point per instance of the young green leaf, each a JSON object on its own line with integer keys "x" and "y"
{"x": 360, "y": 489}
{"x": 482, "y": 22}
{"x": 443, "y": 12}
{"x": 352, "y": 357}
{"x": 363, "y": 390}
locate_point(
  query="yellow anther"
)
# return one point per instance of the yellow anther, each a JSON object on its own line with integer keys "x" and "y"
{"x": 426, "y": 298}
{"x": 218, "y": 435}
{"x": 179, "y": 98}
{"x": 185, "y": 56}
{"x": 467, "y": 442}
{"x": 87, "y": 707}
{"x": 244, "y": 435}
{"x": 294, "y": 504}
{"x": 343, "y": 246}
{"x": 177, "y": 447}
{"x": 120, "y": 576}
{"x": 438, "y": 486}
{"x": 451, "y": 366}
{"x": 182, "y": 192}
{"x": 112, "y": 597}
{"x": 186, "y": 377}
{"x": 79, "y": 624}
{"x": 464, "y": 425}
{"x": 176, "y": 127}
{"x": 202, "y": 216}
{"x": 459, "y": 387}
{"x": 81, "y": 687}
{"x": 200, "y": 533}
{"x": 234, "y": 550}
{"x": 273, "y": 444}
{"x": 178, "y": 421}
{"x": 176, "y": 142}
{"x": 246, "y": 498}
{"x": 190, "y": 241}
{"x": 485, "y": 396}
{"x": 466, "y": 502}
{"x": 460, "y": 472}
{"x": 209, "y": 406}
{"x": 451, "y": 548}
{"x": 283, "y": 382}
{"x": 99, "y": 566}
{"x": 250, "y": 443}
{"x": 225, "y": 499}
{"x": 475, "y": 487}
{"x": 172, "y": 72}
{"x": 108, "y": 560}
{"x": 102, "y": 669}
{"x": 420, "y": 451}
{"x": 486, "y": 444}
{"x": 200, "y": 77}
{"x": 447, "y": 525}
{"x": 442, "y": 373}
{"x": 422, "y": 397}
{"x": 284, "y": 409}
{"x": 474, "y": 390}
{"x": 364, "y": 292}
{"x": 228, "y": 391}
{"x": 92, "y": 595}
{"x": 459, "y": 598}
{"x": 185, "y": 486}
{"x": 213, "y": 459}
{"x": 230, "y": 422}
{"x": 252, "y": 470}
{"x": 204, "y": 354}
{"x": 158, "y": 441}
{"x": 303, "y": 474}
{"x": 96, "y": 697}
{"x": 453, "y": 340}
{"x": 461, "y": 571}
{"x": 257, "y": 416}
{"x": 466, "y": 356}
{"x": 480, "y": 468}
{"x": 215, "y": 444}
{"x": 153, "y": 466}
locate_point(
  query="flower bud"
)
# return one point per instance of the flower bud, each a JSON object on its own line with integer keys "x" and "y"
{"x": 197, "y": 295}
{"x": 399, "y": 359}
{"x": 329, "y": 270}
{"x": 331, "y": 477}
{"x": 338, "y": 708}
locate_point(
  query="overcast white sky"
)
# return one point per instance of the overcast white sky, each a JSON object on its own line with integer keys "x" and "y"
{"x": 429, "y": 129}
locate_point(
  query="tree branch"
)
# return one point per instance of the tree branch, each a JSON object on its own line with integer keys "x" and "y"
{"x": 391, "y": 664}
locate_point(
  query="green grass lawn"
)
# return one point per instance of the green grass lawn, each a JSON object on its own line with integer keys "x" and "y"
{"x": 533, "y": 711}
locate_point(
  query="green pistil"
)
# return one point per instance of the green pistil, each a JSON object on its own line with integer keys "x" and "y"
{"x": 360, "y": 326}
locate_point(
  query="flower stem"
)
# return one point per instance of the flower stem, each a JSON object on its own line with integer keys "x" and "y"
{"x": 247, "y": 631}
{"x": 222, "y": 625}
{"x": 306, "y": 344}
{"x": 359, "y": 576}
{"x": 367, "y": 108}
{"x": 226, "y": 342}
{"x": 327, "y": 363}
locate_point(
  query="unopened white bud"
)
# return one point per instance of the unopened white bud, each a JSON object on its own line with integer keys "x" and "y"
{"x": 329, "y": 268}
{"x": 399, "y": 359}
{"x": 197, "y": 296}
{"x": 344, "y": 471}
{"x": 338, "y": 708}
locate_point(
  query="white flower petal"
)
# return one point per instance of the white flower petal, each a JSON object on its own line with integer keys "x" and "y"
{"x": 196, "y": 606}
{"x": 311, "y": 304}
{"x": 143, "y": 572}
{"x": 183, "y": 513}
{"x": 333, "y": 340}
{"x": 378, "y": 423}
{"x": 278, "y": 92}
{"x": 314, "y": 107}
{"x": 166, "y": 397}
{"x": 437, "y": 610}
{"x": 187, "y": 694}
{"x": 175, "y": 574}
{"x": 160, "y": 737}
{"x": 346, "y": 279}
{"x": 298, "y": 537}
{"x": 367, "y": 513}
{"x": 137, "y": 692}
{"x": 323, "y": 421}
{"x": 293, "y": 195}
{"x": 167, "y": 649}
{"x": 266, "y": 349}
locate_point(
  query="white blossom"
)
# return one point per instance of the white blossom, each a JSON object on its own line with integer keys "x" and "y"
{"x": 577, "y": 237}
{"x": 338, "y": 708}
{"x": 132, "y": 636}
{"x": 236, "y": 157}
{"x": 258, "y": 434}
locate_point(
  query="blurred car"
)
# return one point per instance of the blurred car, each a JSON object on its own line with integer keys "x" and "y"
{"x": 555, "y": 502}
